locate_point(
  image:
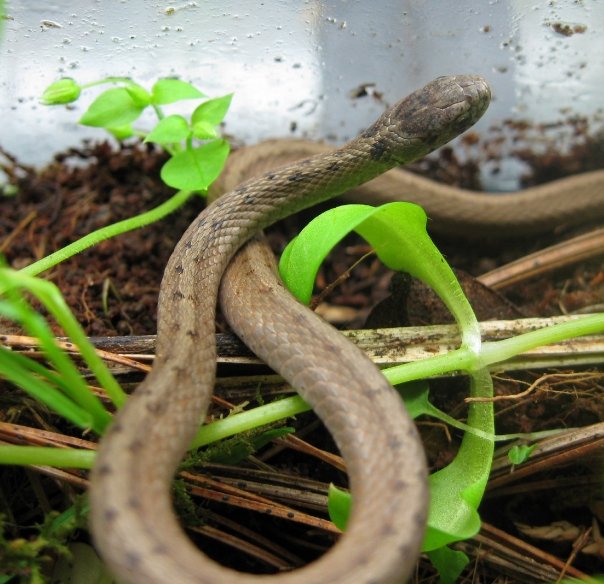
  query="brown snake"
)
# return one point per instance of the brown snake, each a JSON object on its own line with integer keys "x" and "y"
{"x": 133, "y": 523}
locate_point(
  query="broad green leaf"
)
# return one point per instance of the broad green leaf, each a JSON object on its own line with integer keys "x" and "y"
{"x": 62, "y": 91}
{"x": 397, "y": 232}
{"x": 339, "y": 503}
{"x": 303, "y": 255}
{"x": 212, "y": 111}
{"x": 457, "y": 489}
{"x": 112, "y": 109}
{"x": 170, "y": 130}
{"x": 166, "y": 91}
{"x": 196, "y": 169}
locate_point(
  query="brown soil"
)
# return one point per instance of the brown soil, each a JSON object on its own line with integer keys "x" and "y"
{"x": 113, "y": 290}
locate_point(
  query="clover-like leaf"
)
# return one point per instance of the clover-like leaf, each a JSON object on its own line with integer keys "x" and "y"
{"x": 212, "y": 111}
{"x": 112, "y": 109}
{"x": 169, "y": 130}
{"x": 167, "y": 90}
{"x": 195, "y": 169}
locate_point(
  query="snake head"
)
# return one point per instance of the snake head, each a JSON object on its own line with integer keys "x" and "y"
{"x": 428, "y": 118}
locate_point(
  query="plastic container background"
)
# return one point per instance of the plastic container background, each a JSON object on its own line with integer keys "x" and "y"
{"x": 297, "y": 67}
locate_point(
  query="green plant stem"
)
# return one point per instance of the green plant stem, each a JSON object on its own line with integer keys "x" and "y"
{"x": 491, "y": 353}
{"x": 497, "y": 351}
{"x": 104, "y": 233}
{"x": 158, "y": 111}
{"x": 105, "y": 81}
{"x": 250, "y": 419}
{"x": 42, "y": 456}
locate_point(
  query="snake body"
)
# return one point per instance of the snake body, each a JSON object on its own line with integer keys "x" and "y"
{"x": 566, "y": 202}
{"x": 133, "y": 523}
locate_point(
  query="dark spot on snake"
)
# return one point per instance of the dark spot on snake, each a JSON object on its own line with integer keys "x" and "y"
{"x": 268, "y": 511}
{"x": 296, "y": 177}
{"x": 404, "y": 550}
{"x": 225, "y": 498}
{"x": 395, "y": 444}
{"x": 242, "y": 189}
{"x": 400, "y": 485}
{"x": 104, "y": 469}
{"x": 179, "y": 269}
{"x": 386, "y": 529}
{"x": 333, "y": 167}
{"x": 193, "y": 334}
{"x": 109, "y": 515}
{"x": 248, "y": 199}
{"x": 300, "y": 318}
{"x": 116, "y": 428}
{"x": 4, "y": 338}
{"x": 291, "y": 515}
{"x": 420, "y": 520}
{"x": 188, "y": 244}
{"x": 217, "y": 224}
{"x": 135, "y": 445}
{"x": 134, "y": 503}
{"x": 270, "y": 176}
{"x": 377, "y": 150}
{"x": 133, "y": 560}
{"x": 241, "y": 484}
{"x": 160, "y": 549}
{"x": 371, "y": 130}
{"x": 156, "y": 407}
{"x": 201, "y": 222}
{"x": 333, "y": 349}
{"x": 178, "y": 295}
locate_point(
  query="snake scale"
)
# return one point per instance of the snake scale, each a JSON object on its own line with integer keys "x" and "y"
{"x": 133, "y": 524}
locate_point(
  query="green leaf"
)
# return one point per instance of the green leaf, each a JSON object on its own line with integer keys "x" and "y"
{"x": 196, "y": 169}
{"x": 62, "y": 91}
{"x": 169, "y": 130}
{"x": 203, "y": 130}
{"x": 212, "y": 111}
{"x": 457, "y": 489}
{"x": 170, "y": 90}
{"x": 520, "y": 453}
{"x": 140, "y": 96}
{"x": 397, "y": 232}
{"x": 122, "y": 133}
{"x": 339, "y": 503}
{"x": 112, "y": 109}
{"x": 449, "y": 563}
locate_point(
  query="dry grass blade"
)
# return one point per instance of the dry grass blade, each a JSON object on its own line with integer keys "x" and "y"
{"x": 580, "y": 248}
